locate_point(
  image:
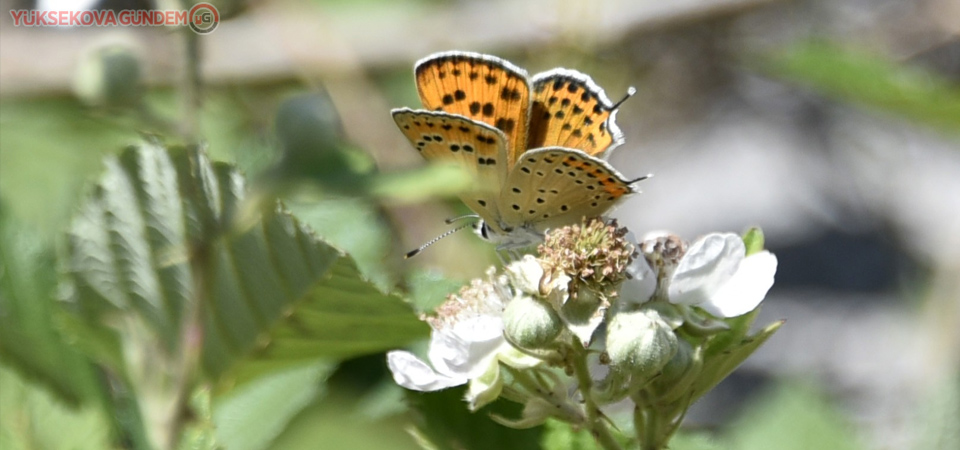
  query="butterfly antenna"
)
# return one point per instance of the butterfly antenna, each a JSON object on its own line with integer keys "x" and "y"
{"x": 457, "y": 219}
{"x": 413, "y": 253}
{"x": 630, "y": 91}
{"x": 649, "y": 175}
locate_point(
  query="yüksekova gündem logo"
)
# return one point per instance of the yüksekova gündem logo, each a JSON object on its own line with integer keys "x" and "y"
{"x": 202, "y": 18}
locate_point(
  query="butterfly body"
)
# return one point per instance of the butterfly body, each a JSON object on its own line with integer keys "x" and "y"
{"x": 532, "y": 144}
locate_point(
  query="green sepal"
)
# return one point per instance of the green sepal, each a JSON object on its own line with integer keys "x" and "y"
{"x": 753, "y": 240}
{"x": 721, "y": 358}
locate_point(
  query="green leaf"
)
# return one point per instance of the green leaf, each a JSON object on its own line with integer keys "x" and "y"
{"x": 335, "y": 423}
{"x": 871, "y": 81}
{"x": 695, "y": 441}
{"x": 343, "y": 316}
{"x": 791, "y": 418}
{"x": 559, "y": 435}
{"x": 50, "y": 148}
{"x": 30, "y": 339}
{"x": 249, "y": 418}
{"x": 428, "y": 289}
{"x": 33, "y": 419}
{"x": 127, "y": 247}
{"x": 444, "y": 421}
{"x": 721, "y": 358}
{"x": 156, "y": 257}
{"x": 159, "y": 225}
{"x": 358, "y": 227}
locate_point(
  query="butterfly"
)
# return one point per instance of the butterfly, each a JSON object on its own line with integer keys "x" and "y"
{"x": 532, "y": 143}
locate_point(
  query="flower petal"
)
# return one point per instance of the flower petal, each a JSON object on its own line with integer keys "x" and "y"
{"x": 464, "y": 350}
{"x": 485, "y": 387}
{"x": 746, "y": 289}
{"x": 525, "y": 274}
{"x": 584, "y": 314}
{"x": 642, "y": 282}
{"x": 512, "y": 357}
{"x": 412, "y": 373}
{"x": 709, "y": 263}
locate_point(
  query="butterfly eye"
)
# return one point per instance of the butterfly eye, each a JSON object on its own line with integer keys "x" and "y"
{"x": 484, "y": 233}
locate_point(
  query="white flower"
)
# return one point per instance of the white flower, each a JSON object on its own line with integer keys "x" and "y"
{"x": 642, "y": 281}
{"x": 525, "y": 274}
{"x": 715, "y": 274}
{"x": 466, "y": 345}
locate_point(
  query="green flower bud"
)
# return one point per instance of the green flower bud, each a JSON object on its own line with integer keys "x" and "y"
{"x": 314, "y": 146}
{"x": 109, "y": 76}
{"x": 678, "y": 365}
{"x": 640, "y": 342}
{"x": 678, "y": 375}
{"x": 309, "y": 123}
{"x": 530, "y": 323}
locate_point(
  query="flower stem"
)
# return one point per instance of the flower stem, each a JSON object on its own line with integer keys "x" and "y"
{"x": 595, "y": 423}
{"x": 648, "y": 422}
{"x": 537, "y": 387}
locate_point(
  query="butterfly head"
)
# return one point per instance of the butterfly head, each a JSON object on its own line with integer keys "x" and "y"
{"x": 506, "y": 238}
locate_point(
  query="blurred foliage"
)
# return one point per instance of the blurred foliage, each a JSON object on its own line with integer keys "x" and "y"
{"x": 62, "y": 134}
{"x": 861, "y": 78}
{"x": 561, "y": 436}
{"x": 428, "y": 289}
{"x": 443, "y": 421}
{"x": 938, "y": 414}
{"x": 252, "y": 416}
{"x": 791, "y": 417}
{"x": 30, "y": 335}
{"x": 34, "y": 419}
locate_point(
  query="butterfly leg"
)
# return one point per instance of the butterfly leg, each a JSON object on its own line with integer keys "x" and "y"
{"x": 512, "y": 254}
{"x": 499, "y": 252}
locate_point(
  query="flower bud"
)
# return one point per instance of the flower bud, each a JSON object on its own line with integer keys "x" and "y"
{"x": 109, "y": 76}
{"x": 678, "y": 365}
{"x": 530, "y": 323}
{"x": 678, "y": 375}
{"x": 309, "y": 123}
{"x": 640, "y": 342}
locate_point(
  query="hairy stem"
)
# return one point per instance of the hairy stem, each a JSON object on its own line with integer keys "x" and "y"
{"x": 595, "y": 423}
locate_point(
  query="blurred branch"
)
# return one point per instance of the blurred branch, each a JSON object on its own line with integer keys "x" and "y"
{"x": 191, "y": 88}
{"x": 257, "y": 46}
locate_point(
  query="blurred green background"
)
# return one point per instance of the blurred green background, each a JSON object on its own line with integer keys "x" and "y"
{"x": 832, "y": 124}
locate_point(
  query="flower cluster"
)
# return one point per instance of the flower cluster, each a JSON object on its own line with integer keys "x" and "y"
{"x": 597, "y": 319}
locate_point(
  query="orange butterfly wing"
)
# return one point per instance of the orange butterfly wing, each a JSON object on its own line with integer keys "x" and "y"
{"x": 556, "y": 186}
{"x": 477, "y": 147}
{"x": 570, "y": 110}
{"x": 484, "y": 88}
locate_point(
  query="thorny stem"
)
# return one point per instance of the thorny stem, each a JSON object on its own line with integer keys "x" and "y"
{"x": 597, "y": 426}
